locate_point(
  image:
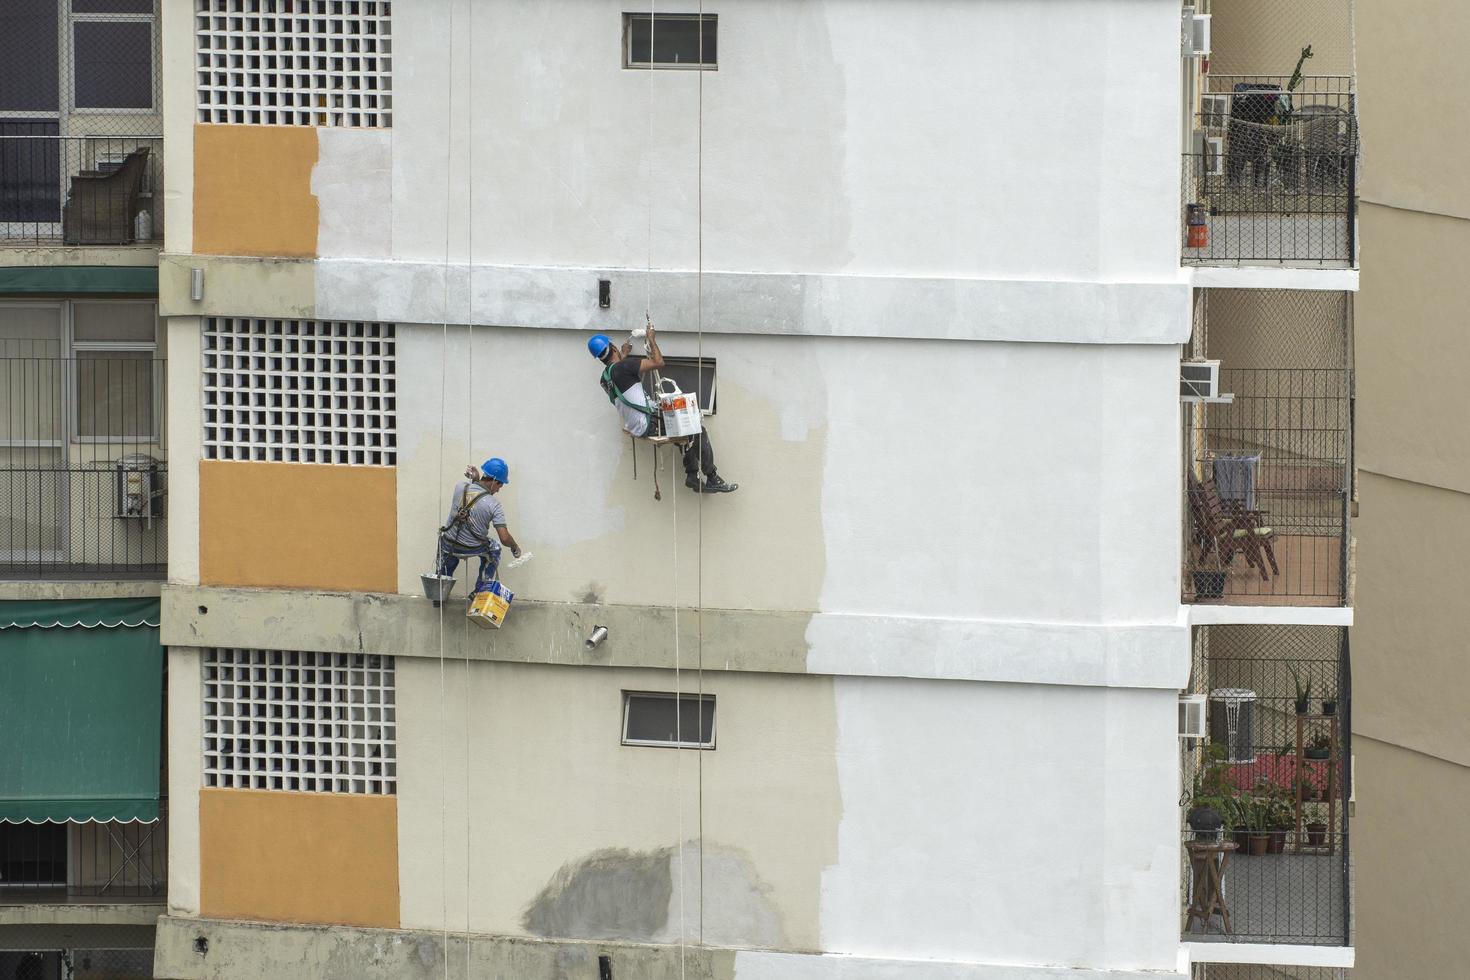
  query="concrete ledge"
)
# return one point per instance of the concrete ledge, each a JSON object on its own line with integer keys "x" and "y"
{"x": 31, "y": 591}
{"x": 1138, "y": 656}
{"x": 1225, "y": 615}
{"x": 212, "y": 949}
{"x": 1275, "y": 954}
{"x": 1273, "y": 277}
{"x": 75, "y": 914}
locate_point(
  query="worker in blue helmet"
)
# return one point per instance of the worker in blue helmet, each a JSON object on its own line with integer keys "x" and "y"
{"x": 473, "y": 512}
{"x": 622, "y": 381}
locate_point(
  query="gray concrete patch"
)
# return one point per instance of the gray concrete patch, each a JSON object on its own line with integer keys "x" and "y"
{"x": 610, "y": 894}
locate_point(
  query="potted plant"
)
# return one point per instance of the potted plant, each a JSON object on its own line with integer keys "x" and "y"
{"x": 1258, "y": 813}
{"x": 1329, "y": 705}
{"x": 1303, "y": 692}
{"x": 1212, "y": 795}
{"x": 1319, "y": 748}
{"x": 1306, "y": 790}
{"x": 1316, "y": 834}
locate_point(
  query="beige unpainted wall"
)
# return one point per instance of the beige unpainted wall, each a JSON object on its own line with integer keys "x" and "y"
{"x": 1412, "y": 346}
{"x": 252, "y": 190}
{"x": 549, "y": 784}
{"x": 1266, "y": 37}
{"x": 1409, "y": 664}
{"x": 1411, "y": 65}
{"x": 1412, "y": 902}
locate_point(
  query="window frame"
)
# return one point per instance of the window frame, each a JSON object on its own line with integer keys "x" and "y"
{"x": 155, "y": 70}
{"x": 710, "y": 365}
{"x": 75, "y": 348}
{"x": 629, "y": 16}
{"x": 677, "y": 743}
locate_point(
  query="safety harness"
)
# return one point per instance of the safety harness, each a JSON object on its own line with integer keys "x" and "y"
{"x": 461, "y": 519}
{"x": 615, "y": 396}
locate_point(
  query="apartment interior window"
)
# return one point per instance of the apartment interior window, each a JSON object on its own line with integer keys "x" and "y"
{"x": 655, "y": 40}
{"x": 32, "y": 855}
{"x": 691, "y": 374}
{"x": 661, "y": 718}
{"x": 112, "y": 54}
{"x": 115, "y": 345}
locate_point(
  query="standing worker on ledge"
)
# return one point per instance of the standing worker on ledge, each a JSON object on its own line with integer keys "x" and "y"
{"x": 473, "y": 511}
{"x": 622, "y": 380}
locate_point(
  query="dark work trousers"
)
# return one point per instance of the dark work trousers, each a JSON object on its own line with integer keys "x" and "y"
{"x": 699, "y": 455}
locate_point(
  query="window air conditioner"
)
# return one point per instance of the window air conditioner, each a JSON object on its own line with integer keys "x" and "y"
{"x": 1191, "y": 716}
{"x": 1199, "y": 381}
{"x": 1198, "y": 28}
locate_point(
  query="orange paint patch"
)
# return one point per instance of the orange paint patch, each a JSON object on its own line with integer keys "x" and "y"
{"x": 298, "y": 526}
{"x": 252, "y": 190}
{"x": 298, "y": 857}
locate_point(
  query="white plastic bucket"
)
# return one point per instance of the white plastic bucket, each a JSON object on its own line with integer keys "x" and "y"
{"x": 680, "y": 411}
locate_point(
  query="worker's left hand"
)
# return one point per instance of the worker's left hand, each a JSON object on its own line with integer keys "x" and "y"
{"x": 472, "y": 472}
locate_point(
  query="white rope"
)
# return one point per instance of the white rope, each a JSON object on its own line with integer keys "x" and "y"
{"x": 698, "y": 384}
{"x": 443, "y": 389}
{"x": 470, "y": 436}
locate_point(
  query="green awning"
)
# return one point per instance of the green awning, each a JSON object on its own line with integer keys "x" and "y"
{"x": 50, "y": 280}
{"x": 81, "y": 712}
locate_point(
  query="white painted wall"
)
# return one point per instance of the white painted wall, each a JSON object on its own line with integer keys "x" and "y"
{"x": 1003, "y": 139}
{"x": 918, "y": 479}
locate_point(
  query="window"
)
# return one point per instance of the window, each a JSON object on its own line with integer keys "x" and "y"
{"x": 300, "y": 391}
{"x": 32, "y": 855}
{"x": 690, "y": 374}
{"x": 113, "y": 63}
{"x": 670, "y": 40}
{"x": 310, "y": 722}
{"x": 685, "y": 721}
{"x": 115, "y": 374}
{"x": 304, "y": 63}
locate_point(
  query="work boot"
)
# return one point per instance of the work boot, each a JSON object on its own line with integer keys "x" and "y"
{"x": 692, "y": 482}
{"x": 716, "y": 485}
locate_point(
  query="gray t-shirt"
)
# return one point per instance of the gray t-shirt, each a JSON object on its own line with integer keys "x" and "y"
{"x": 484, "y": 513}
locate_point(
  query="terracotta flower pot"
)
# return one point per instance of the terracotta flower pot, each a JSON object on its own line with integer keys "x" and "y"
{"x": 1276, "y": 842}
{"x": 1258, "y": 844}
{"x": 1316, "y": 834}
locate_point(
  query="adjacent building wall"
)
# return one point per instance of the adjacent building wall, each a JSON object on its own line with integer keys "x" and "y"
{"x": 1413, "y": 747}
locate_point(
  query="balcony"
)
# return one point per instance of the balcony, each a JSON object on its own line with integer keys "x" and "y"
{"x": 83, "y": 485}
{"x": 1276, "y": 765}
{"x": 84, "y": 863}
{"x": 1268, "y": 450}
{"x": 79, "y": 191}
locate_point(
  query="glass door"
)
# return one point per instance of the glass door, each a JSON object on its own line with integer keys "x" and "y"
{"x": 33, "y": 446}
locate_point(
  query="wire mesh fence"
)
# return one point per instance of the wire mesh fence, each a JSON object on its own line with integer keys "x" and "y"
{"x": 80, "y": 123}
{"x": 1262, "y": 971}
{"x": 1266, "y": 849}
{"x": 82, "y": 485}
{"x": 1273, "y": 173}
{"x": 1269, "y": 454}
{"x": 78, "y": 964}
{"x": 55, "y": 862}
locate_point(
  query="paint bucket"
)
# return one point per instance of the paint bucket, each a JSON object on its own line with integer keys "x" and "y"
{"x": 1197, "y": 231}
{"x": 680, "y": 411}
{"x": 437, "y": 587}
{"x": 488, "y": 609}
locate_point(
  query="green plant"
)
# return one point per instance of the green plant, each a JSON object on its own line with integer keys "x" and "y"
{"x": 1212, "y": 785}
{"x": 1303, "y": 692}
{"x": 1321, "y": 742}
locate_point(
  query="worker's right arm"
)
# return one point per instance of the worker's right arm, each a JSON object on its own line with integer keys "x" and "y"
{"x": 654, "y": 359}
{"x": 504, "y": 534}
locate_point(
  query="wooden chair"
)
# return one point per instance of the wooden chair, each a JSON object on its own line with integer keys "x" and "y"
{"x": 101, "y": 205}
{"x": 1228, "y": 531}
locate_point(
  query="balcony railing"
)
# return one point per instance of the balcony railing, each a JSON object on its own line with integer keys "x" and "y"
{"x": 1267, "y": 489}
{"x": 49, "y": 862}
{"x": 1276, "y": 766}
{"x": 83, "y": 486}
{"x": 1273, "y": 175}
{"x": 83, "y": 190}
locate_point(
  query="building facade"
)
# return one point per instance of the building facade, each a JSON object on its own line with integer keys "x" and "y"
{"x": 1031, "y": 467}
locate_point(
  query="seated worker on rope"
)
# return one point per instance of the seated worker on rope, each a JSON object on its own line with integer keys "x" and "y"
{"x": 622, "y": 380}
{"x": 473, "y": 511}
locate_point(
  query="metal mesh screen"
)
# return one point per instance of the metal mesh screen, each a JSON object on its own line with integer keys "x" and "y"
{"x": 1266, "y": 37}
{"x": 80, "y": 122}
{"x": 1276, "y": 765}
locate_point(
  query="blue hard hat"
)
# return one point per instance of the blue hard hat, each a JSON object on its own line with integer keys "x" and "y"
{"x": 495, "y": 469}
{"x": 598, "y": 345}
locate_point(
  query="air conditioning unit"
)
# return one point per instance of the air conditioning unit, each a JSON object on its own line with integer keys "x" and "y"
{"x": 138, "y": 487}
{"x": 1196, "y": 34}
{"x": 1199, "y": 381}
{"x": 1191, "y": 716}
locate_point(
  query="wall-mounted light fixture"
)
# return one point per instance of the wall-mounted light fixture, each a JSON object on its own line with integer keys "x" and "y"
{"x": 604, "y": 293}
{"x": 599, "y": 633}
{"x": 196, "y": 284}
